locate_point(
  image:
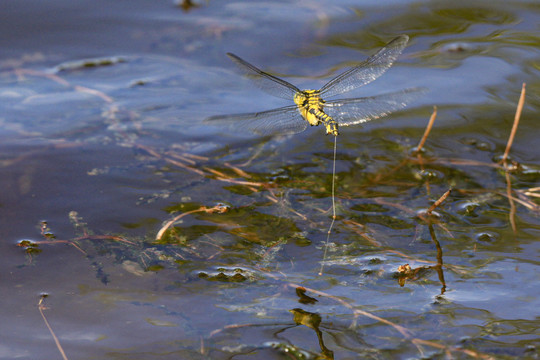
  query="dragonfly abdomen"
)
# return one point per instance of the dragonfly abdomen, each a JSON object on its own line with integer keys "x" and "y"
{"x": 311, "y": 107}
{"x": 327, "y": 120}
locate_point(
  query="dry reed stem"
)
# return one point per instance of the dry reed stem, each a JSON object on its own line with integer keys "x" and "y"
{"x": 512, "y": 213}
{"x": 196, "y": 157}
{"x": 184, "y": 166}
{"x": 528, "y": 193}
{"x": 220, "y": 176}
{"x": 237, "y": 170}
{"x": 427, "y": 131}
{"x": 181, "y": 157}
{"x": 104, "y": 237}
{"x": 225, "y": 178}
{"x": 523, "y": 199}
{"x": 202, "y": 349}
{"x": 438, "y": 202}
{"x": 41, "y": 307}
{"x": 168, "y": 224}
{"x": 453, "y": 161}
{"x": 515, "y": 125}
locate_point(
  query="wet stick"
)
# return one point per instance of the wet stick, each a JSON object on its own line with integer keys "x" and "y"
{"x": 41, "y": 307}
{"x": 427, "y": 131}
{"x": 220, "y": 208}
{"x": 512, "y": 214}
{"x": 515, "y": 125}
{"x": 333, "y": 207}
{"x": 420, "y": 146}
{"x": 438, "y": 202}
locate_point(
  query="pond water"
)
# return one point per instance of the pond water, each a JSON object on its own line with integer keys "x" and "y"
{"x": 156, "y": 235}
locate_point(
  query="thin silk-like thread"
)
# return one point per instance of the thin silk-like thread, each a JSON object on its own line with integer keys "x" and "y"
{"x": 333, "y": 207}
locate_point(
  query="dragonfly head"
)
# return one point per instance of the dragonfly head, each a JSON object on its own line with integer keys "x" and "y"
{"x": 300, "y": 99}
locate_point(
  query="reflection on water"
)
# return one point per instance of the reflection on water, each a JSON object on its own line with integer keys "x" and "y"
{"x": 156, "y": 236}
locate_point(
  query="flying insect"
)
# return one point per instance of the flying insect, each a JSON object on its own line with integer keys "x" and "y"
{"x": 311, "y": 108}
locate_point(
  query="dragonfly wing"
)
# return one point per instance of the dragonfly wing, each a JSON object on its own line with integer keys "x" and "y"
{"x": 269, "y": 83}
{"x": 285, "y": 120}
{"x": 367, "y": 71}
{"x": 360, "y": 110}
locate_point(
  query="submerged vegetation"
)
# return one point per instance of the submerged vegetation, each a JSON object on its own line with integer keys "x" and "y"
{"x": 256, "y": 238}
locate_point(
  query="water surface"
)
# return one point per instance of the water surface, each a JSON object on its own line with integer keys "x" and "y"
{"x": 103, "y": 143}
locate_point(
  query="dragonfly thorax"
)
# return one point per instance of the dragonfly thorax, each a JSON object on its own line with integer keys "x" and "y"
{"x": 311, "y": 107}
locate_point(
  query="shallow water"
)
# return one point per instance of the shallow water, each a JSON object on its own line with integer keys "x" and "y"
{"x": 102, "y": 144}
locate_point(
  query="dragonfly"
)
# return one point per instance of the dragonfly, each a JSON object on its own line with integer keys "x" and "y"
{"x": 310, "y": 106}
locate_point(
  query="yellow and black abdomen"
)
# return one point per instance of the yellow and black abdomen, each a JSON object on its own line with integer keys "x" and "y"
{"x": 311, "y": 107}
{"x": 327, "y": 120}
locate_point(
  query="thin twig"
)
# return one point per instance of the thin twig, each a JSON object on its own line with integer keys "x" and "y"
{"x": 427, "y": 131}
{"x": 462, "y": 162}
{"x": 169, "y": 223}
{"x": 515, "y": 125}
{"x": 218, "y": 208}
{"x": 226, "y": 178}
{"x": 181, "y": 157}
{"x": 184, "y": 166}
{"x": 438, "y": 202}
{"x": 41, "y": 307}
{"x": 237, "y": 170}
{"x": 512, "y": 214}
{"x": 104, "y": 237}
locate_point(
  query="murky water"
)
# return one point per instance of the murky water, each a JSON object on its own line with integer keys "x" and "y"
{"x": 157, "y": 236}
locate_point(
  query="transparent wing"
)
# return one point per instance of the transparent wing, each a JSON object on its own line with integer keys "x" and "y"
{"x": 360, "y": 110}
{"x": 271, "y": 84}
{"x": 367, "y": 71}
{"x": 285, "y": 120}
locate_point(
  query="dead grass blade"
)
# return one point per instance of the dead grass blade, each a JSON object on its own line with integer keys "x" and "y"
{"x": 41, "y": 307}
{"x": 438, "y": 202}
{"x": 512, "y": 213}
{"x": 515, "y": 125}
{"x": 218, "y": 208}
{"x": 427, "y": 131}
